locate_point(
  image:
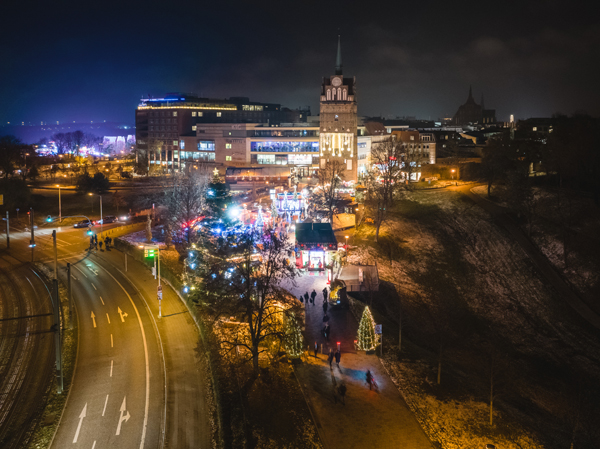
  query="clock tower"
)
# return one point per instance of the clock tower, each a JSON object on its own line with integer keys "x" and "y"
{"x": 338, "y": 120}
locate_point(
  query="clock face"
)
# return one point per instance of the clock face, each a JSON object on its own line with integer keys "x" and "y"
{"x": 336, "y": 82}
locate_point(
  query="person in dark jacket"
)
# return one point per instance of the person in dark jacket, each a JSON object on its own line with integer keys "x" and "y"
{"x": 325, "y": 292}
{"x": 301, "y": 299}
{"x": 338, "y": 356}
{"x": 330, "y": 358}
{"x": 325, "y": 305}
{"x": 306, "y": 297}
{"x": 313, "y": 295}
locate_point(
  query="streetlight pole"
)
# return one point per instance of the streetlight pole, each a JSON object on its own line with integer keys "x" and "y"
{"x": 91, "y": 194}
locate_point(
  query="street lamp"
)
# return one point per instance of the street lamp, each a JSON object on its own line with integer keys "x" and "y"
{"x": 452, "y": 171}
{"x": 91, "y": 194}
{"x": 154, "y": 252}
{"x": 59, "y": 205}
{"x": 347, "y": 249}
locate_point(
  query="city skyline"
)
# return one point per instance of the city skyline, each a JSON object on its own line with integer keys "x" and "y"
{"x": 527, "y": 61}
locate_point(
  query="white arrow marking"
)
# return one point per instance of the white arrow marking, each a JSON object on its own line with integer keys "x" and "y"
{"x": 123, "y": 314}
{"x": 81, "y": 416}
{"x": 108, "y": 318}
{"x": 105, "y": 402}
{"x": 123, "y": 418}
{"x": 94, "y": 319}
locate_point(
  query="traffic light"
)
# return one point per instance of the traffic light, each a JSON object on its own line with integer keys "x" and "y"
{"x": 149, "y": 252}
{"x": 49, "y": 218}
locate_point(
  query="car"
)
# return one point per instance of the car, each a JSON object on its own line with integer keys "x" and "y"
{"x": 83, "y": 224}
{"x": 108, "y": 219}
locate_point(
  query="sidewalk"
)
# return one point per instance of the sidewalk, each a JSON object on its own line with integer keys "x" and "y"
{"x": 188, "y": 415}
{"x": 369, "y": 418}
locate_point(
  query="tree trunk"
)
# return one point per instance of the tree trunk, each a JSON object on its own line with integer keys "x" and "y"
{"x": 377, "y": 231}
{"x": 439, "y": 373}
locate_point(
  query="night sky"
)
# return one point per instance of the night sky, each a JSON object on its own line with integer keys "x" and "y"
{"x": 67, "y": 60}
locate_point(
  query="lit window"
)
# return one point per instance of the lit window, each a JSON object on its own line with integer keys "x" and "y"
{"x": 194, "y": 128}
{"x": 174, "y": 113}
{"x": 200, "y": 114}
{"x": 175, "y": 142}
{"x": 218, "y": 114}
{"x": 228, "y": 146}
{"x": 227, "y": 158}
{"x": 193, "y": 113}
{"x": 535, "y": 128}
{"x": 412, "y": 137}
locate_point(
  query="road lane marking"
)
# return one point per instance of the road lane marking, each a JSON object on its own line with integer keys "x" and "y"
{"x": 93, "y": 286}
{"x": 108, "y": 318}
{"x": 101, "y": 300}
{"x": 123, "y": 418}
{"x": 105, "y": 402}
{"x": 73, "y": 277}
{"x": 81, "y": 416}
{"x": 146, "y": 407}
{"x": 94, "y": 319}
{"x": 123, "y": 315}
{"x": 111, "y": 365}
{"x": 111, "y": 341}
{"x": 83, "y": 273}
{"x": 94, "y": 445}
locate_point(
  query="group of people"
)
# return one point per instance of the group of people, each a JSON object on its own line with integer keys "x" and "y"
{"x": 94, "y": 242}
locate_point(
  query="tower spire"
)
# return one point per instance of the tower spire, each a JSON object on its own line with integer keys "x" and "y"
{"x": 338, "y": 59}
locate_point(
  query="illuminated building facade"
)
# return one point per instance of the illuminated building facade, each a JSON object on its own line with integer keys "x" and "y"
{"x": 160, "y": 122}
{"x": 338, "y": 120}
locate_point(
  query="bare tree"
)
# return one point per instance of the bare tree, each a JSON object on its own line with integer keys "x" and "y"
{"x": 384, "y": 177}
{"x": 241, "y": 276}
{"x": 413, "y": 159}
{"x": 496, "y": 159}
{"x": 331, "y": 177}
{"x": 185, "y": 198}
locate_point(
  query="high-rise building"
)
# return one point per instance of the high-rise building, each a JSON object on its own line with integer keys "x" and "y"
{"x": 338, "y": 120}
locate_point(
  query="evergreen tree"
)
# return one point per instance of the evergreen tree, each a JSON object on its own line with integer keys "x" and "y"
{"x": 293, "y": 337}
{"x": 367, "y": 340}
{"x": 218, "y": 197}
{"x": 274, "y": 211}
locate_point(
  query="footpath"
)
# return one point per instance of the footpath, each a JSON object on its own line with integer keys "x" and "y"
{"x": 188, "y": 414}
{"x": 368, "y": 418}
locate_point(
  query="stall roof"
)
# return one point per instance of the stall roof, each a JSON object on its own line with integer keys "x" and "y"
{"x": 312, "y": 233}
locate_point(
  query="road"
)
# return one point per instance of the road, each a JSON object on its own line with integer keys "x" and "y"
{"x": 117, "y": 398}
{"x": 26, "y": 350}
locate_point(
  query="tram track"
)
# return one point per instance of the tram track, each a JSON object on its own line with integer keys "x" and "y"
{"x": 26, "y": 353}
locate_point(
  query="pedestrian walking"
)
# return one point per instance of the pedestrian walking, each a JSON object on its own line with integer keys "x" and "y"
{"x": 325, "y": 305}
{"x": 313, "y": 295}
{"x": 306, "y": 297}
{"x": 100, "y": 245}
{"x": 326, "y": 318}
{"x": 338, "y": 356}
{"x": 316, "y": 349}
{"x": 330, "y": 358}
{"x": 342, "y": 392}
{"x": 325, "y": 294}
{"x": 301, "y": 299}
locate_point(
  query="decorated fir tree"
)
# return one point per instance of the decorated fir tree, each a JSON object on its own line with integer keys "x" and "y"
{"x": 274, "y": 211}
{"x": 293, "y": 337}
{"x": 367, "y": 339}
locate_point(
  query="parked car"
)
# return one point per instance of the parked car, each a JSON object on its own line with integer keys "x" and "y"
{"x": 83, "y": 224}
{"x": 107, "y": 219}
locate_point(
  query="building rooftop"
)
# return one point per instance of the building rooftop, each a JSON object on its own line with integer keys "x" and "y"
{"x": 316, "y": 234}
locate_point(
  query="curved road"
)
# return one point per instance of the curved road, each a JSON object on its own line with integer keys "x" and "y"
{"x": 26, "y": 351}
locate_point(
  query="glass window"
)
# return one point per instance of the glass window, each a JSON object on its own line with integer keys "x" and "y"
{"x": 227, "y": 158}
{"x": 181, "y": 144}
{"x": 194, "y": 128}
{"x": 206, "y": 145}
{"x": 175, "y": 142}
{"x": 174, "y": 113}
{"x": 200, "y": 114}
{"x": 266, "y": 159}
{"x": 218, "y": 114}
{"x": 193, "y": 113}
{"x": 284, "y": 147}
{"x": 228, "y": 146}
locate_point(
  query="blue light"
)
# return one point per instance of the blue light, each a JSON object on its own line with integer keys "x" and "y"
{"x": 192, "y": 266}
{"x": 214, "y": 276}
{"x": 191, "y": 254}
{"x": 186, "y": 289}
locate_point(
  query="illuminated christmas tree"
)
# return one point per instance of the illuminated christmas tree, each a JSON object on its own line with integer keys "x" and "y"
{"x": 367, "y": 340}
{"x": 293, "y": 338}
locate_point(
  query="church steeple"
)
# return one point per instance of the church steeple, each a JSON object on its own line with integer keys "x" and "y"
{"x": 338, "y": 59}
{"x": 470, "y": 99}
